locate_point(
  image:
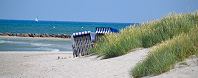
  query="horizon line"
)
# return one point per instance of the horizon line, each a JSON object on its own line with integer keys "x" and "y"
{"x": 70, "y": 21}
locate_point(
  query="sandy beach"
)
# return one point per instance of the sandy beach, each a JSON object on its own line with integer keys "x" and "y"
{"x": 16, "y": 64}
{"x": 47, "y": 65}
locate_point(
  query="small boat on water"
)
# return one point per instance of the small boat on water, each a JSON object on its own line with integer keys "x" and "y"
{"x": 36, "y": 19}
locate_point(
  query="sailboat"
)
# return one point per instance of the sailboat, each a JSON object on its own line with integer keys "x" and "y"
{"x": 36, "y": 19}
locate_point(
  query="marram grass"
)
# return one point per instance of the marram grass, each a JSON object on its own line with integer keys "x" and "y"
{"x": 175, "y": 37}
{"x": 145, "y": 34}
{"x": 165, "y": 55}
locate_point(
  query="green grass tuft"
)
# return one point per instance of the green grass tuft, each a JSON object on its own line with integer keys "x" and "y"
{"x": 183, "y": 63}
{"x": 175, "y": 37}
{"x": 166, "y": 54}
{"x": 145, "y": 35}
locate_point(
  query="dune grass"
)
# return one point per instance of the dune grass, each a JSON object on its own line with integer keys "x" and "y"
{"x": 145, "y": 34}
{"x": 175, "y": 37}
{"x": 165, "y": 55}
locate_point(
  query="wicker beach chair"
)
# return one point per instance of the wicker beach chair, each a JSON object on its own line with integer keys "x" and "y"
{"x": 83, "y": 41}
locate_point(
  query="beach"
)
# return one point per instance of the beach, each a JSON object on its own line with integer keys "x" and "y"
{"x": 98, "y": 39}
{"x": 16, "y": 64}
{"x": 43, "y": 64}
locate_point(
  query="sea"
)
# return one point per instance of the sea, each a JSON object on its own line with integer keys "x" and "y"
{"x": 50, "y": 27}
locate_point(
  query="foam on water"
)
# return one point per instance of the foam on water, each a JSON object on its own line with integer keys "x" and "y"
{"x": 2, "y": 41}
{"x": 15, "y": 42}
{"x": 48, "y": 49}
{"x": 8, "y": 44}
{"x": 40, "y": 44}
{"x": 10, "y": 41}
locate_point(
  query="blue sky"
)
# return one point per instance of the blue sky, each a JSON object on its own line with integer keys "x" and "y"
{"x": 122, "y": 11}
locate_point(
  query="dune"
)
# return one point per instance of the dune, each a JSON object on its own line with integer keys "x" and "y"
{"x": 182, "y": 70}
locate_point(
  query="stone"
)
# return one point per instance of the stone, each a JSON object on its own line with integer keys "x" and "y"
{"x": 10, "y": 34}
{"x": 68, "y": 36}
{"x": 5, "y": 34}
{"x": 13, "y": 34}
{"x": 41, "y": 35}
{"x": 17, "y": 34}
{"x": 46, "y": 35}
{"x": 21, "y": 34}
{"x": 31, "y": 35}
{"x": 63, "y": 35}
{"x": 58, "y": 35}
{"x": 36, "y": 35}
{"x": 51, "y": 35}
{"x": 1, "y": 34}
{"x": 25, "y": 35}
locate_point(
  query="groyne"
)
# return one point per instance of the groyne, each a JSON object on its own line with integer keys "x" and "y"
{"x": 36, "y": 35}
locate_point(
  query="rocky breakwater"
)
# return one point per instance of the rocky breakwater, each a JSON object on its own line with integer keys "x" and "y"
{"x": 36, "y": 35}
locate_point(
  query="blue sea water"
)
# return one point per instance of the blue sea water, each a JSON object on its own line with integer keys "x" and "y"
{"x": 56, "y": 27}
{"x": 50, "y": 27}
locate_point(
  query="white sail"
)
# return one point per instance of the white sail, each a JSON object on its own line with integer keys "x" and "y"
{"x": 36, "y": 19}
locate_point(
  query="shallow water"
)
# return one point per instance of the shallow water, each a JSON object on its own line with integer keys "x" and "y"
{"x": 10, "y": 44}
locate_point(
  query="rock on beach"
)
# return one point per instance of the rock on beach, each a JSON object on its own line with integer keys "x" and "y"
{"x": 36, "y": 35}
{"x": 1, "y": 34}
{"x": 26, "y": 35}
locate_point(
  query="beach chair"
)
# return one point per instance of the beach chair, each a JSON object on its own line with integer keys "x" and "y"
{"x": 83, "y": 41}
{"x": 101, "y": 31}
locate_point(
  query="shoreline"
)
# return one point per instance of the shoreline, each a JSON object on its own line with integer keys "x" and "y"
{"x": 39, "y": 38}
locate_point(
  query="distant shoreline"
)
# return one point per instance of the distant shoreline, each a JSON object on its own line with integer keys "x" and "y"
{"x": 42, "y": 38}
